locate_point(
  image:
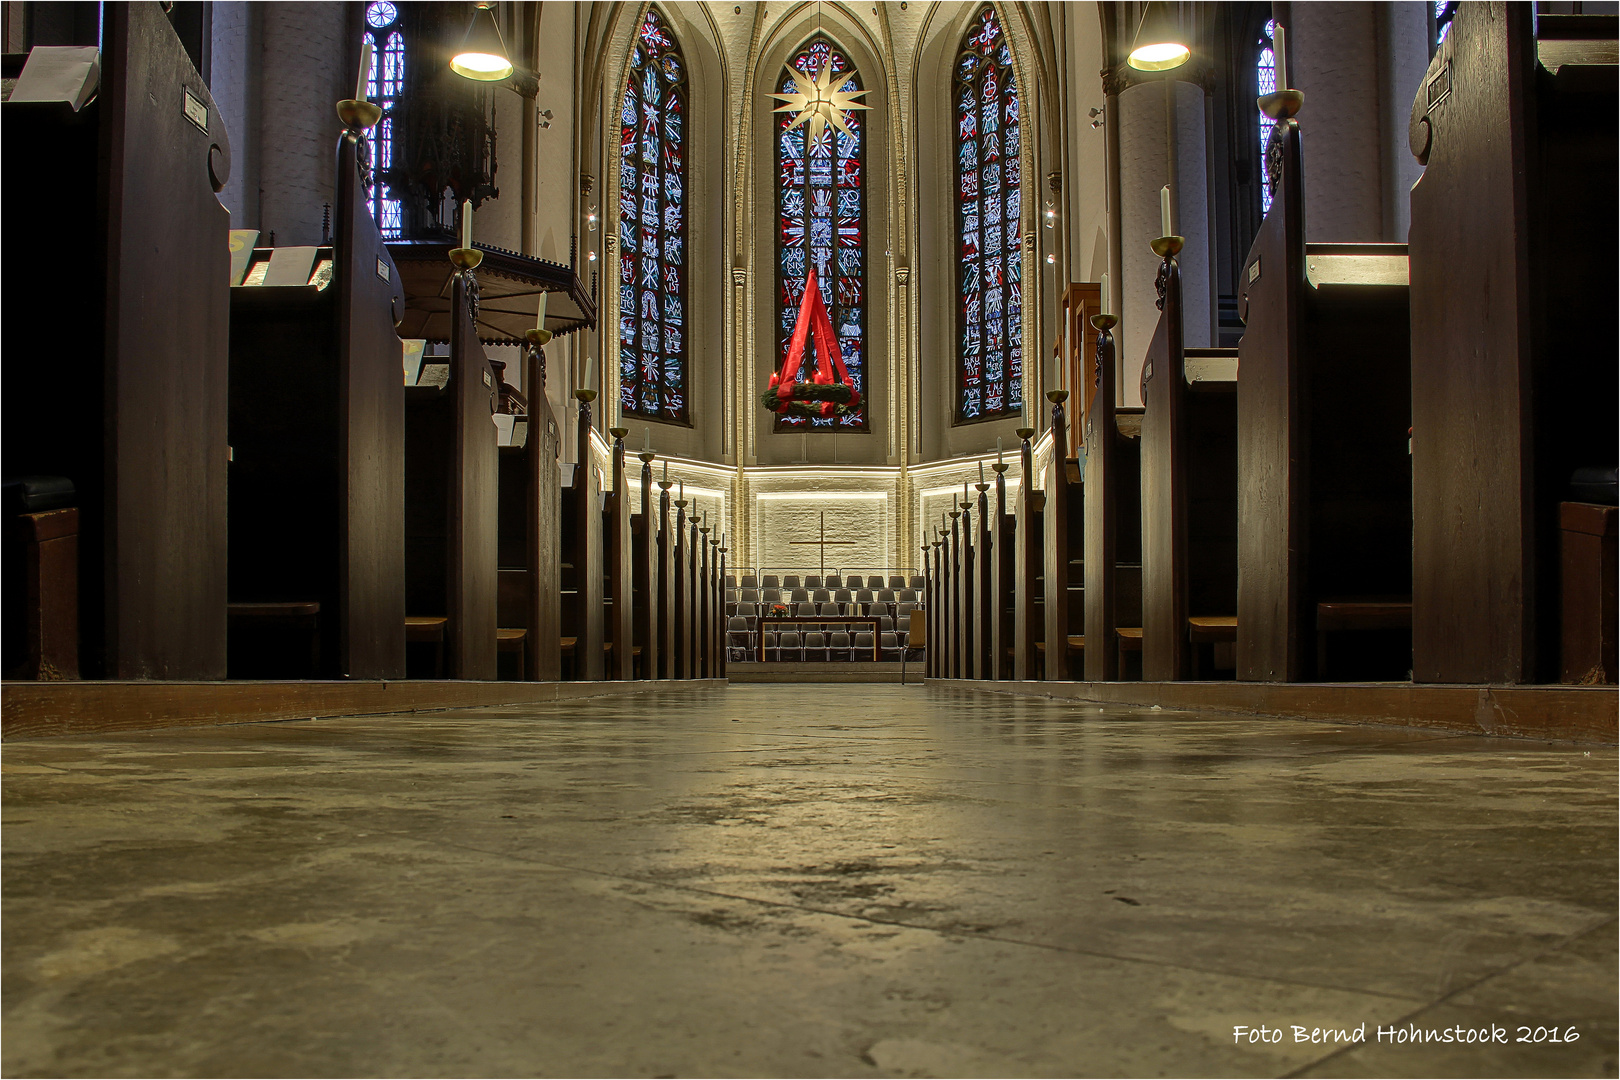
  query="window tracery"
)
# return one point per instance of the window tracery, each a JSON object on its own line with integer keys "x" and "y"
{"x": 821, "y": 211}
{"x": 652, "y": 228}
{"x": 386, "y": 84}
{"x": 989, "y": 224}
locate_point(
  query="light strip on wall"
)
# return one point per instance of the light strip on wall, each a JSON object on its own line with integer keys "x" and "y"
{"x": 802, "y": 495}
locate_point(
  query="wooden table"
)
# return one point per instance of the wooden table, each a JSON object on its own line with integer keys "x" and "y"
{"x": 820, "y": 620}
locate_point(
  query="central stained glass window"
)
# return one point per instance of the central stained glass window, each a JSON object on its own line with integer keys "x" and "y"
{"x": 821, "y": 207}
{"x": 652, "y": 229}
{"x": 988, "y": 225}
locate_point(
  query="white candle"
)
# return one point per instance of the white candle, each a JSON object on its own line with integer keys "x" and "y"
{"x": 466, "y": 223}
{"x": 1279, "y": 39}
{"x": 365, "y": 71}
{"x": 1104, "y": 297}
{"x": 683, "y": 489}
{"x": 998, "y": 449}
{"x": 981, "y": 472}
{"x": 666, "y": 469}
{"x": 647, "y": 444}
{"x": 540, "y": 312}
{"x": 1164, "y": 211}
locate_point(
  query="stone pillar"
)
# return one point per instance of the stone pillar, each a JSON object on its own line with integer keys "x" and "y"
{"x": 1150, "y": 147}
{"x": 308, "y": 60}
{"x": 1359, "y": 66}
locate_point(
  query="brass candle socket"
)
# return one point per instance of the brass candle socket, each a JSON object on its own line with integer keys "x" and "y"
{"x": 618, "y": 432}
{"x": 586, "y": 396}
{"x": 536, "y": 336}
{"x": 1282, "y": 104}
{"x": 647, "y": 456}
{"x": 681, "y": 503}
{"x": 359, "y": 115}
{"x": 1104, "y": 322}
{"x": 1166, "y": 246}
{"x": 1025, "y": 433}
{"x": 666, "y": 484}
{"x": 465, "y": 258}
{"x": 1057, "y": 396}
{"x": 1000, "y": 467}
{"x": 981, "y": 488}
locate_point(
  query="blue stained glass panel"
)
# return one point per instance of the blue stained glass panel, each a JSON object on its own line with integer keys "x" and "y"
{"x": 652, "y": 227}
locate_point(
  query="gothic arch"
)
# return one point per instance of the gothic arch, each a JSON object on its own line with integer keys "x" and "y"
{"x": 879, "y": 445}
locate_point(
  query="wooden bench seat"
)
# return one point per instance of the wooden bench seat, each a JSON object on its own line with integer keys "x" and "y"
{"x": 292, "y": 615}
{"x": 428, "y": 630}
{"x": 1204, "y": 629}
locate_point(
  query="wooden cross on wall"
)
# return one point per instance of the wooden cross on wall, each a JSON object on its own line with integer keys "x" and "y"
{"x": 824, "y": 543}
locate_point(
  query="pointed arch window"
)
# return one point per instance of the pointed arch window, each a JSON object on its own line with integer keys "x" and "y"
{"x": 652, "y": 228}
{"x": 384, "y": 88}
{"x": 821, "y": 210}
{"x": 989, "y": 229}
{"x": 1265, "y": 78}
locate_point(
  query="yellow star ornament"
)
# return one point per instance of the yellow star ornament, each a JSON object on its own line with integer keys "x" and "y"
{"x": 822, "y": 106}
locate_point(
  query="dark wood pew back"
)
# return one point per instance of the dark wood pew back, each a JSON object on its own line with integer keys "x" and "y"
{"x": 1188, "y": 490}
{"x": 1029, "y": 569}
{"x": 620, "y": 626}
{"x": 1513, "y": 383}
{"x": 1003, "y": 578}
{"x": 1113, "y": 517}
{"x": 452, "y": 476}
{"x": 129, "y": 198}
{"x": 1324, "y": 479}
{"x": 583, "y": 614}
{"x": 1063, "y": 550}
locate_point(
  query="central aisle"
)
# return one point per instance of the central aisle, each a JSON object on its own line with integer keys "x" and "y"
{"x": 800, "y": 880}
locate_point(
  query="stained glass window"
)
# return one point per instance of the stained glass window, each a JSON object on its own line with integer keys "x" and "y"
{"x": 652, "y": 228}
{"x": 1443, "y": 12}
{"x": 821, "y": 209}
{"x": 386, "y": 85}
{"x": 989, "y": 230}
{"x": 1265, "y": 73}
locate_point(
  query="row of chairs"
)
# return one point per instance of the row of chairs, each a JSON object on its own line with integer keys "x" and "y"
{"x": 816, "y": 581}
{"x": 901, "y": 613}
{"x": 814, "y": 645}
{"x": 822, "y": 596}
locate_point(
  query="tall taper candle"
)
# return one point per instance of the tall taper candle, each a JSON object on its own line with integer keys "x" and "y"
{"x": 981, "y": 472}
{"x": 1280, "y": 50}
{"x": 466, "y": 223}
{"x": 666, "y": 468}
{"x": 647, "y": 444}
{"x": 998, "y": 449}
{"x": 683, "y": 489}
{"x": 1104, "y": 295}
{"x": 540, "y": 312}
{"x": 1164, "y": 211}
{"x": 365, "y": 71}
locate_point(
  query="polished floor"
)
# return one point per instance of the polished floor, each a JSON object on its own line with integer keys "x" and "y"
{"x": 807, "y": 881}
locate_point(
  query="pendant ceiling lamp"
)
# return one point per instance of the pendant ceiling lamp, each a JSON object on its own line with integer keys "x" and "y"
{"x": 1160, "y": 43}
{"x": 482, "y": 56}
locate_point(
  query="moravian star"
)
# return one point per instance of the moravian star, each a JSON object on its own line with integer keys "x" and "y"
{"x": 823, "y": 106}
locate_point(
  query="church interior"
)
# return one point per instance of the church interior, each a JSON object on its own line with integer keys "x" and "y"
{"x": 811, "y": 537}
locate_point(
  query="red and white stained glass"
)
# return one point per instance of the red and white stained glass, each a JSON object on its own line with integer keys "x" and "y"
{"x": 821, "y": 209}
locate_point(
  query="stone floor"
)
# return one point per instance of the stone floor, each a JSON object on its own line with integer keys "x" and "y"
{"x": 805, "y": 881}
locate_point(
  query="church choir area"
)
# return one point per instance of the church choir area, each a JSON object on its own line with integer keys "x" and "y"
{"x": 1397, "y": 471}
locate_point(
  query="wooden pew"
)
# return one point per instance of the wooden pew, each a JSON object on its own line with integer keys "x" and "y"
{"x": 1513, "y": 383}
{"x": 125, "y": 193}
{"x": 645, "y": 564}
{"x": 1029, "y": 621}
{"x": 452, "y": 475}
{"x": 528, "y": 612}
{"x": 620, "y": 624}
{"x": 317, "y": 435}
{"x": 583, "y": 613}
{"x": 685, "y": 620}
{"x": 1003, "y": 579}
{"x": 1324, "y": 478}
{"x": 961, "y": 629}
{"x": 1189, "y": 494}
{"x": 932, "y": 590}
{"x": 1063, "y": 550}
{"x": 1113, "y": 519}
{"x": 982, "y": 587}
{"x": 669, "y": 657}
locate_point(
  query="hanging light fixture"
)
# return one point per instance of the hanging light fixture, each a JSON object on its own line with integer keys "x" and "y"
{"x": 482, "y": 56}
{"x": 1159, "y": 44}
